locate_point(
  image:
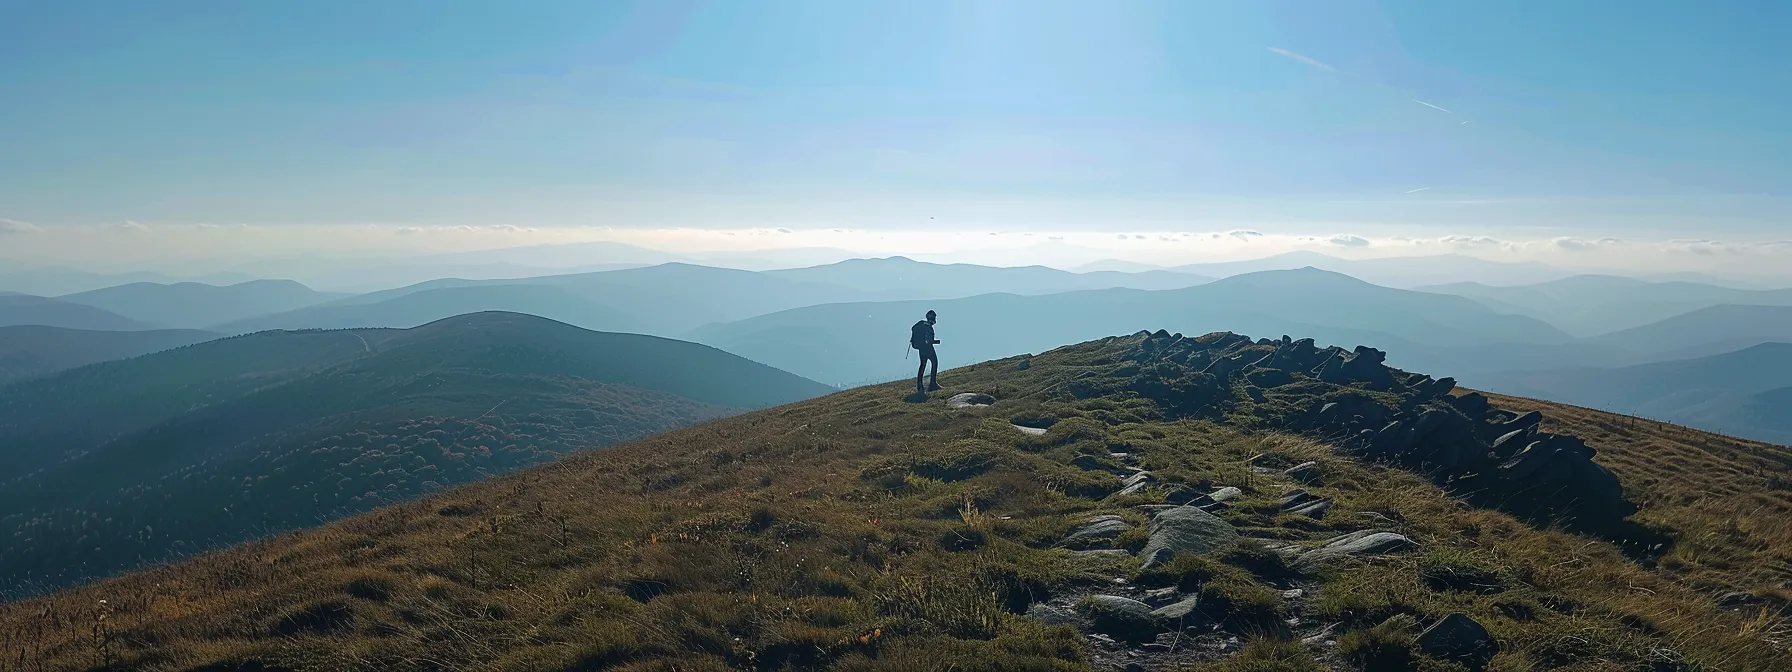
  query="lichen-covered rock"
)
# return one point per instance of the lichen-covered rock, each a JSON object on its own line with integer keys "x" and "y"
{"x": 1356, "y": 544}
{"x": 969, "y": 400}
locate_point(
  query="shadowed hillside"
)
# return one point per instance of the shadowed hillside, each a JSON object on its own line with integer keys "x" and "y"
{"x": 1152, "y": 501}
{"x": 23, "y": 309}
{"x": 1588, "y": 305}
{"x": 27, "y": 351}
{"x": 196, "y": 305}
{"x": 280, "y": 430}
{"x": 1734, "y": 392}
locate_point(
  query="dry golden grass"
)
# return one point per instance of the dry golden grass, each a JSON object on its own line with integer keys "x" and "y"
{"x": 858, "y": 532}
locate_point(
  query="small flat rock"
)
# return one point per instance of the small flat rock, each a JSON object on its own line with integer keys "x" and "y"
{"x": 1160, "y": 596}
{"x": 1031, "y": 431}
{"x": 1305, "y": 472}
{"x": 1118, "y": 617}
{"x": 1313, "y": 509}
{"x": 969, "y": 400}
{"x": 1225, "y": 494}
{"x": 1293, "y": 594}
{"x": 1050, "y": 614}
{"x": 1100, "y": 528}
{"x": 1136, "y": 478}
{"x": 1458, "y": 637}
{"x": 1180, "y": 612}
{"x": 1185, "y": 529}
{"x": 1296, "y": 499}
{"x": 1357, "y": 544}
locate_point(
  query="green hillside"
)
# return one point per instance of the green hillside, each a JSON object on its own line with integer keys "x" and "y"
{"x": 280, "y": 430}
{"x": 1149, "y": 502}
{"x": 27, "y": 351}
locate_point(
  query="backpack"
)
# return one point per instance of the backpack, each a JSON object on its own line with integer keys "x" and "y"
{"x": 920, "y": 335}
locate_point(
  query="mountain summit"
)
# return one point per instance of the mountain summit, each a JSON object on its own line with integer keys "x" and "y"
{"x": 1152, "y": 501}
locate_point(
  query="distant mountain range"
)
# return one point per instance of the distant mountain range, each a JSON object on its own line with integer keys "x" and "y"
{"x": 857, "y": 342}
{"x": 172, "y": 453}
{"x": 1403, "y": 272}
{"x": 60, "y": 281}
{"x": 31, "y": 350}
{"x": 1746, "y": 393}
{"x": 1589, "y": 305}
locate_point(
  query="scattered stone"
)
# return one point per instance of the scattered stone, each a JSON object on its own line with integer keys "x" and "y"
{"x": 1313, "y": 509}
{"x": 1183, "y": 611}
{"x": 1293, "y": 594}
{"x": 1118, "y": 617}
{"x": 1024, "y": 365}
{"x": 1458, "y": 637}
{"x": 1225, "y": 494}
{"x": 1088, "y": 463}
{"x": 1099, "y": 528}
{"x": 1053, "y": 615}
{"x": 1137, "y": 477}
{"x": 1305, "y": 472}
{"x": 1366, "y": 542}
{"x": 1160, "y": 596}
{"x": 1320, "y": 637}
{"x": 1185, "y": 529}
{"x": 1296, "y": 499}
{"x": 969, "y": 400}
{"x": 1031, "y": 431}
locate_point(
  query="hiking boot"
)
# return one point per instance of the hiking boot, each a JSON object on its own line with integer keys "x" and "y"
{"x": 934, "y": 386}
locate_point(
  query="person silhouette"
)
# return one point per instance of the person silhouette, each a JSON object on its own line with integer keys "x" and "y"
{"x": 921, "y": 338}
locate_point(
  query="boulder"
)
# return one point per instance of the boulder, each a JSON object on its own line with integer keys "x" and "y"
{"x": 1473, "y": 404}
{"x": 1513, "y": 441}
{"x": 1183, "y": 494}
{"x": 1524, "y": 421}
{"x": 1458, "y": 637}
{"x": 1296, "y": 499}
{"x": 969, "y": 400}
{"x": 1224, "y": 494}
{"x": 1118, "y": 617}
{"x": 1366, "y": 542}
{"x": 1185, "y": 529}
{"x": 1031, "y": 431}
{"x": 1160, "y": 596}
{"x": 1314, "y": 509}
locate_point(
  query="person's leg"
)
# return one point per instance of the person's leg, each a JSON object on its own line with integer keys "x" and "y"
{"x": 921, "y": 373}
{"x": 933, "y": 380}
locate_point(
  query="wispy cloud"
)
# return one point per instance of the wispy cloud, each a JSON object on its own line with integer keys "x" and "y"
{"x": 1434, "y": 107}
{"x": 1414, "y": 191}
{"x": 1304, "y": 59}
{"x": 1348, "y": 240}
{"x": 15, "y": 226}
{"x": 1244, "y": 234}
{"x": 128, "y": 226}
{"x": 1583, "y": 244}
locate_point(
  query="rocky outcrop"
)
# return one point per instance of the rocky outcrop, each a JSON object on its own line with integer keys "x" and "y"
{"x": 1353, "y": 400}
{"x": 969, "y": 400}
{"x": 1355, "y": 544}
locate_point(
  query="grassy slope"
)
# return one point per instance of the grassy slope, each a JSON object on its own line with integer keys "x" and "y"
{"x": 31, "y": 350}
{"x": 817, "y": 534}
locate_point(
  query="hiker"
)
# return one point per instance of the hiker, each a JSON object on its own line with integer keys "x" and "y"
{"x": 921, "y": 338}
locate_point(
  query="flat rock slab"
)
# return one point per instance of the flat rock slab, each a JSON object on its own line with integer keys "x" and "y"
{"x": 1030, "y": 431}
{"x": 969, "y": 400}
{"x": 1305, "y": 472}
{"x": 1366, "y": 542}
{"x": 1183, "y": 612}
{"x": 1185, "y": 529}
{"x": 1225, "y": 494}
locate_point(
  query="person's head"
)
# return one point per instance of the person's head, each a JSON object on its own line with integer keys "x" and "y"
{"x": 932, "y": 317}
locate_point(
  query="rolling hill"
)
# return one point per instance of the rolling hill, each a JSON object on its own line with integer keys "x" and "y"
{"x": 24, "y": 309}
{"x": 852, "y": 343}
{"x": 1403, "y": 272}
{"x": 1735, "y": 393}
{"x": 1706, "y": 331}
{"x": 1590, "y": 305}
{"x": 27, "y": 351}
{"x": 59, "y": 281}
{"x": 115, "y": 465}
{"x": 1173, "y": 503}
{"x": 197, "y": 305}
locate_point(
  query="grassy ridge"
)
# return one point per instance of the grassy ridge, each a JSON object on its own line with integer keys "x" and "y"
{"x": 860, "y": 532}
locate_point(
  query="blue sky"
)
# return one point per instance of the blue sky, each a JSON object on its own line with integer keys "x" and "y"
{"x": 1517, "y": 121}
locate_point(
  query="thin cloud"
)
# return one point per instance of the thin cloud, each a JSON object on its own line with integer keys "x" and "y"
{"x": 1348, "y": 240}
{"x": 408, "y": 230}
{"x": 783, "y": 230}
{"x": 15, "y": 226}
{"x": 1304, "y": 59}
{"x": 1583, "y": 244}
{"x": 1434, "y": 107}
{"x": 1414, "y": 191}
{"x": 128, "y": 226}
{"x": 1471, "y": 241}
{"x": 1244, "y": 234}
